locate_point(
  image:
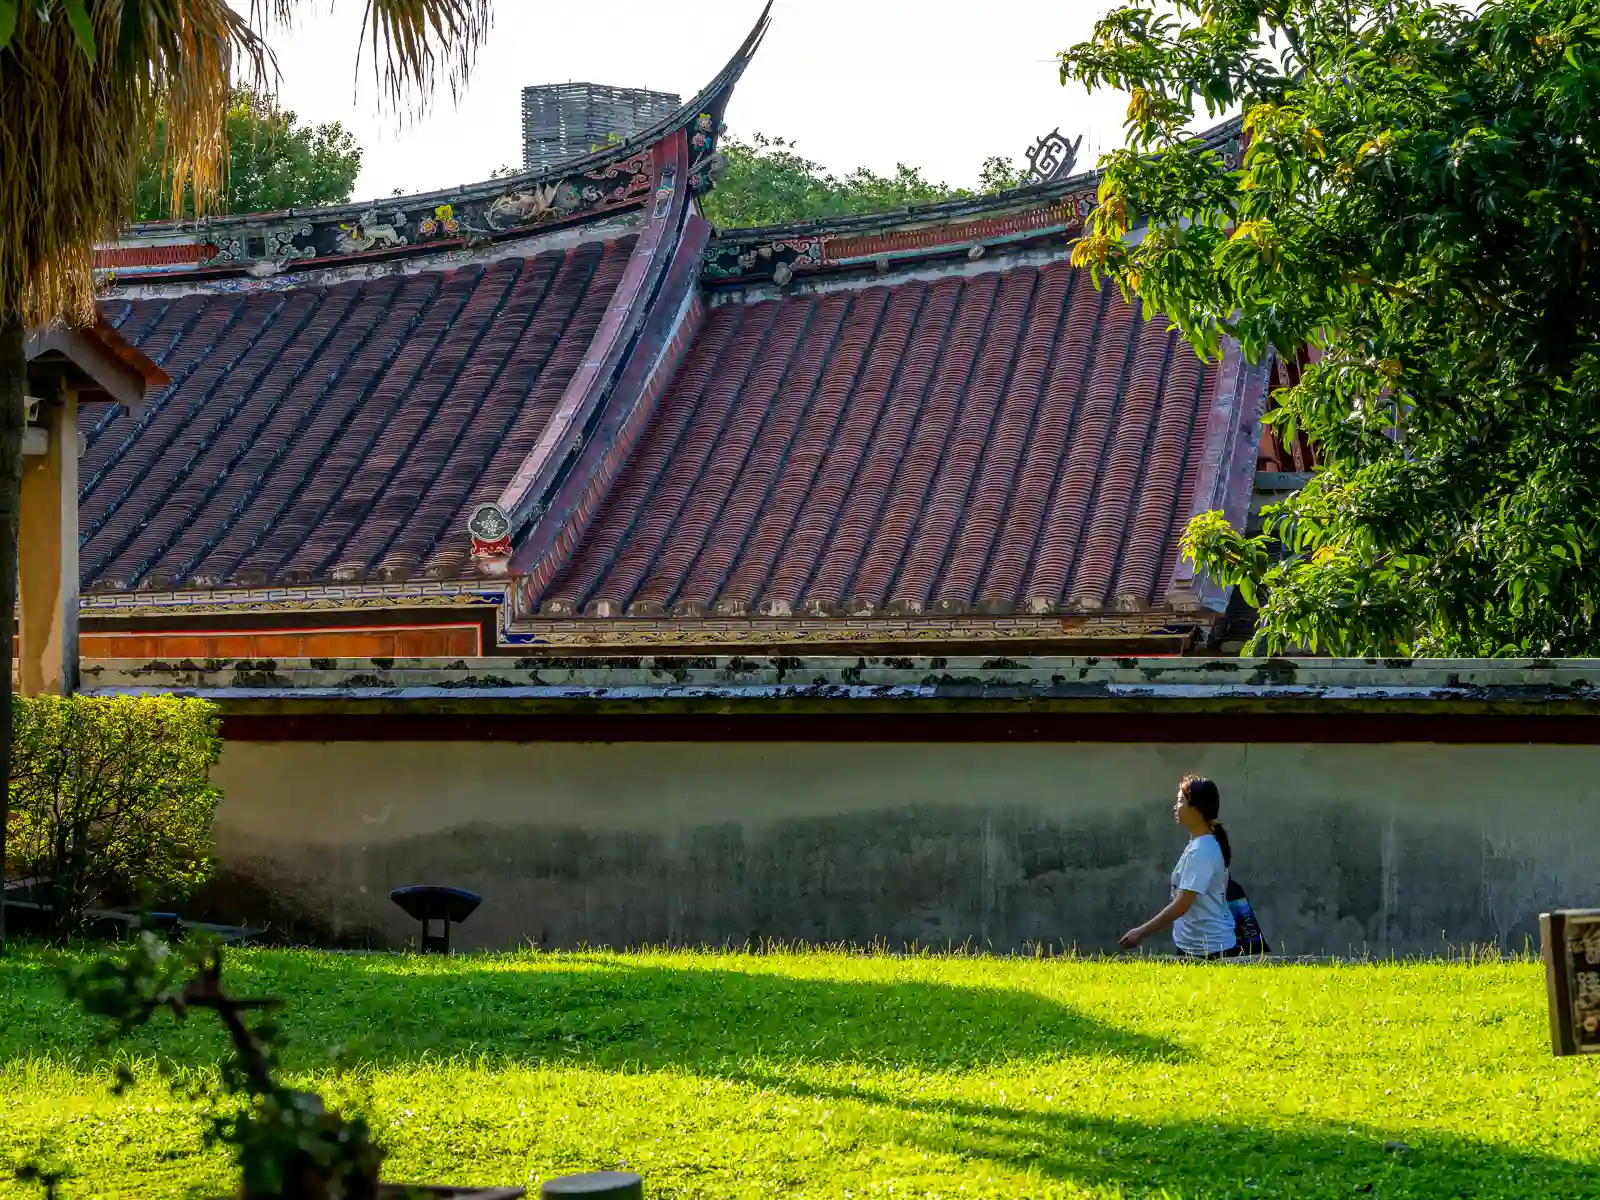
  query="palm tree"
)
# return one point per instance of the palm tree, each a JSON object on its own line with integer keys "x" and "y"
{"x": 81, "y": 85}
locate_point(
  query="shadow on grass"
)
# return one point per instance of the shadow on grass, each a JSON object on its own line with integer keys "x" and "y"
{"x": 1204, "y": 1159}
{"x": 756, "y": 1028}
{"x": 703, "y": 1020}
{"x": 608, "y": 1015}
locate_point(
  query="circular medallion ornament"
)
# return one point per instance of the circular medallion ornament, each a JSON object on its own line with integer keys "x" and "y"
{"x": 490, "y": 530}
{"x": 489, "y": 523}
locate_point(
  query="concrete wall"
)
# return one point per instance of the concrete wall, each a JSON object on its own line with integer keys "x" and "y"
{"x": 1405, "y": 848}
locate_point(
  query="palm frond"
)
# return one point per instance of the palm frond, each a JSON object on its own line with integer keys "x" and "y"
{"x": 412, "y": 42}
{"x": 80, "y": 95}
{"x": 414, "y": 38}
{"x": 75, "y": 112}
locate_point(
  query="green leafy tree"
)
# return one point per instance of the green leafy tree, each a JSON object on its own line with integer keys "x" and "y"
{"x": 112, "y": 798}
{"x": 1001, "y": 174}
{"x": 286, "y": 1143}
{"x": 274, "y": 162}
{"x": 768, "y": 182}
{"x": 1419, "y": 203}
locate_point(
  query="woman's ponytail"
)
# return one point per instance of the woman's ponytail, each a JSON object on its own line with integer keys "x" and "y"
{"x": 1221, "y": 834}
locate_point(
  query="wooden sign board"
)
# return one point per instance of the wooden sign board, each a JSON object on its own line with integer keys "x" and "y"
{"x": 1571, "y": 941}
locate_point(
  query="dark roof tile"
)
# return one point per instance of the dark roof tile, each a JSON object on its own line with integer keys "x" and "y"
{"x": 332, "y": 432}
{"x": 990, "y": 442}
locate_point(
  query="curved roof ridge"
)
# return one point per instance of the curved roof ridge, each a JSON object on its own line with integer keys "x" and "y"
{"x": 910, "y": 213}
{"x": 223, "y": 252}
{"x": 1214, "y": 138}
{"x": 718, "y": 90}
{"x": 1027, "y": 218}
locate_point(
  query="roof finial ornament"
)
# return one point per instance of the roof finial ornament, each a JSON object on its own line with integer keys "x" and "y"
{"x": 490, "y": 530}
{"x": 1053, "y": 158}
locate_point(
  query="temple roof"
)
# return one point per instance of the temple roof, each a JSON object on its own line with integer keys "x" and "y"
{"x": 332, "y": 432}
{"x": 1034, "y": 216}
{"x": 916, "y": 426}
{"x": 1011, "y": 440}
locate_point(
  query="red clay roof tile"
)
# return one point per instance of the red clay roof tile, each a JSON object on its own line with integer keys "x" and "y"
{"x": 332, "y": 432}
{"x": 1000, "y": 441}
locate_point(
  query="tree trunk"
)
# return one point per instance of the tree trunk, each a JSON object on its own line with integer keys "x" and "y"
{"x": 13, "y": 387}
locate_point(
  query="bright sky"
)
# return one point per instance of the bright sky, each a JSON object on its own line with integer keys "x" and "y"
{"x": 939, "y": 84}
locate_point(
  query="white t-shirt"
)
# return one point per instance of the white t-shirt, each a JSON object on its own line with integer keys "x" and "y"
{"x": 1207, "y": 928}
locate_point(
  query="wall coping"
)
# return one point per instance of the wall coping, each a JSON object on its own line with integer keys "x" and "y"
{"x": 1569, "y": 686}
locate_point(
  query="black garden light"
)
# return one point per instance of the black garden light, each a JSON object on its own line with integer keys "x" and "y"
{"x": 448, "y": 906}
{"x": 599, "y": 1185}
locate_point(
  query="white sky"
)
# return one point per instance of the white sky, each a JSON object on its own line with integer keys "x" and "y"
{"x": 938, "y": 84}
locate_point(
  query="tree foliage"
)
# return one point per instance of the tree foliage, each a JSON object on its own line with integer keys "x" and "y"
{"x": 767, "y": 181}
{"x": 111, "y": 799}
{"x": 285, "y": 1142}
{"x": 274, "y": 163}
{"x": 1418, "y": 204}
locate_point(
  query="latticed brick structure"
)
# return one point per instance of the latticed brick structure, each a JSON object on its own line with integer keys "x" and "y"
{"x": 563, "y": 121}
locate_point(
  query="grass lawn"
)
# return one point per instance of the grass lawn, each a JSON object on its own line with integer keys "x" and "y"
{"x": 824, "y": 1075}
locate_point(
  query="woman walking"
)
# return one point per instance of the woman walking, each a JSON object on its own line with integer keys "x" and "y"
{"x": 1202, "y": 923}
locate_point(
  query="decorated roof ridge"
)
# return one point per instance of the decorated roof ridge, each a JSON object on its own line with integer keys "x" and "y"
{"x": 1218, "y": 137}
{"x": 716, "y": 90}
{"x": 1050, "y": 212}
{"x": 909, "y": 214}
{"x": 601, "y": 182}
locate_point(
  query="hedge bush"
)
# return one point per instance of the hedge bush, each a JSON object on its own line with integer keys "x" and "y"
{"x": 111, "y": 798}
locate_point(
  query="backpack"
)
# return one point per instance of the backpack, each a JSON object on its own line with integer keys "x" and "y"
{"x": 1246, "y": 929}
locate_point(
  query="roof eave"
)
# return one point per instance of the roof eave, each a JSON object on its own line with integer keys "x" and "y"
{"x": 97, "y": 363}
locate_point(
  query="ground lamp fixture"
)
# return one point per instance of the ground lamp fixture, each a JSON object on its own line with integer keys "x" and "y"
{"x": 427, "y": 904}
{"x": 600, "y": 1185}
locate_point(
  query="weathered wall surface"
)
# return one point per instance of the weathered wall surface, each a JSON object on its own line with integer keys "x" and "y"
{"x": 1403, "y": 848}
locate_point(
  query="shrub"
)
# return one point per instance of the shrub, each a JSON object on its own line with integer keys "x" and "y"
{"x": 111, "y": 798}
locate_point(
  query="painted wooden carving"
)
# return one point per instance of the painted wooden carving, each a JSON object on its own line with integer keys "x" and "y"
{"x": 1571, "y": 942}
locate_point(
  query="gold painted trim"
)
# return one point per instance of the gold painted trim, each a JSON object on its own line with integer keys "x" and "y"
{"x": 636, "y": 632}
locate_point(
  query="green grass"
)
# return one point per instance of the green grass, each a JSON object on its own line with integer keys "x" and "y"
{"x": 828, "y": 1075}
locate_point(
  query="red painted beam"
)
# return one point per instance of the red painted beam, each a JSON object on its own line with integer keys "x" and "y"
{"x": 1367, "y": 728}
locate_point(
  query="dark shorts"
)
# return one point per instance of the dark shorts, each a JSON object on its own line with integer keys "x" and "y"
{"x": 1233, "y": 953}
